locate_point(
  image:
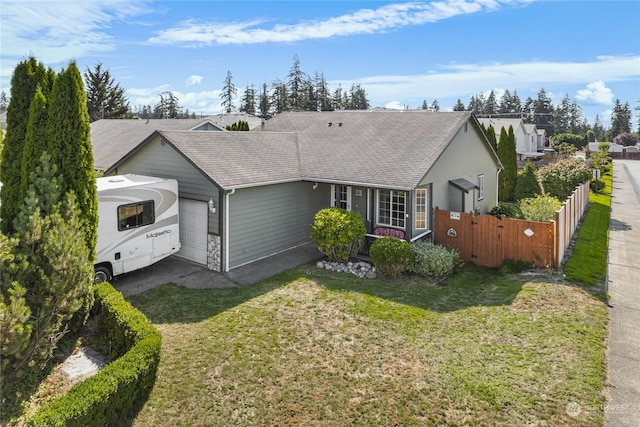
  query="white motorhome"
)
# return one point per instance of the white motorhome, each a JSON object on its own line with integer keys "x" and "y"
{"x": 138, "y": 223}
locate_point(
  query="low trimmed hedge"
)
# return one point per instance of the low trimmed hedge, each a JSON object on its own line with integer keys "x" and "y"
{"x": 111, "y": 393}
{"x": 391, "y": 256}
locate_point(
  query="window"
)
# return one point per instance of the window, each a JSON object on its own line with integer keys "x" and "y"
{"x": 421, "y": 208}
{"x": 136, "y": 215}
{"x": 480, "y": 186}
{"x": 341, "y": 197}
{"x": 391, "y": 208}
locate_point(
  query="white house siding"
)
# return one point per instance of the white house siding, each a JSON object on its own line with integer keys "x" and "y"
{"x": 269, "y": 219}
{"x": 161, "y": 160}
{"x": 464, "y": 158}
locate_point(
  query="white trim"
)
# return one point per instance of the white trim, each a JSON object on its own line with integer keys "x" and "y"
{"x": 420, "y": 236}
{"x": 480, "y": 185}
{"x": 415, "y": 210}
{"x": 368, "y": 204}
{"x": 226, "y": 229}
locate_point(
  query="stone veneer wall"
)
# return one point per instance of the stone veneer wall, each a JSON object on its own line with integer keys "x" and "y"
{"x": 214, "y": 252}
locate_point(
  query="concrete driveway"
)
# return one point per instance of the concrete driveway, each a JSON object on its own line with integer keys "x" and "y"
{"x": 195, "y": 276}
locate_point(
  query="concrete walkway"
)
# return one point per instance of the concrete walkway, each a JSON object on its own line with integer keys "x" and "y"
{"x": 623, "y": 354}
{"x": 195, "y": 276}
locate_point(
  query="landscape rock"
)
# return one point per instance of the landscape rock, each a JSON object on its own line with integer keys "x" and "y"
{"x": 360, "y": 269}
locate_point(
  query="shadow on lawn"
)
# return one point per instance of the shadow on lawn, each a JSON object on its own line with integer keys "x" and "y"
{"x": 473, "y": 286}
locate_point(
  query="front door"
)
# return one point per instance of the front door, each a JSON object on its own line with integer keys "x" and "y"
{"x": 341, "y": 196}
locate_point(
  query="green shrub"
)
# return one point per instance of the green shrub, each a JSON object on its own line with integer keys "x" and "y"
{"x": 432, "y": 260}
{"x": 511, "y": 266}
{"x": 105, "y": 397}
{"x": 560, "y": 179}
{"x": 596, "y": 185}
{"x": 391, "y": 256}
{"x": 338, "y": 233}
{"x": 541, "y": 208}
{"x": 527, "y": 184}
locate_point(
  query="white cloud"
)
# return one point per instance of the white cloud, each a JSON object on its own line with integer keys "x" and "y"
{"x": 394, "y": 105}
{"x": 193, "y": 80}
{"x": 596, "y": 93}
{"x": 56, "y": 31}
{"x": 193, "y": 33}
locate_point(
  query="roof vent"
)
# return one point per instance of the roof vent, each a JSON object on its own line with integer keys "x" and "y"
{"x": 116, "y": 179}
{"x": 339, "y": 124}
{"x": 329, "y": 124}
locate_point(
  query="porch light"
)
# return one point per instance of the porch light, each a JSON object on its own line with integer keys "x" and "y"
{"x": 212, "y": 206}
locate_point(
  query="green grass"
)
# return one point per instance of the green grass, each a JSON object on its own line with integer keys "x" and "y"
{"x": 588, "y": 262}
{"x": 311, "y": 347}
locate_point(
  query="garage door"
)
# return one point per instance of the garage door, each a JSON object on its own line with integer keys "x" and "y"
{"x": 193, "y": 231}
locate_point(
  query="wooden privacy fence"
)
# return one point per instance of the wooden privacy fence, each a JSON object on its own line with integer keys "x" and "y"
{"x": 488, "y": 241}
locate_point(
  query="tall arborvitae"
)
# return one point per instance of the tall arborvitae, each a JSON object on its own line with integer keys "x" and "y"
{"x": 35, "y": 140}
{"x": 27, "y": 77}
{"x": 491, "y": 136}
{"x": 69, "y": 145}
{"x": 509, "y": 158}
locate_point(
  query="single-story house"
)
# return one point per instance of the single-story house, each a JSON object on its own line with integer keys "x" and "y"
{"x": 248, "y": 195}
{"x": 526, "y": 137}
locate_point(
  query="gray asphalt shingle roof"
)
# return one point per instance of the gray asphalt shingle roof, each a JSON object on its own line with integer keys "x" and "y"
{"x": 373, "y": 148}
{"x": 240, "y": 159}
{"x": 378, "y": 148}
{"x": 113, "y": 139}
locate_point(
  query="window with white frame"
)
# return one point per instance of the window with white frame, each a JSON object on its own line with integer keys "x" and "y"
{"x": 480, "y": 186}
{"x": 421, "y": 209}
{"x": 391, "y": 208}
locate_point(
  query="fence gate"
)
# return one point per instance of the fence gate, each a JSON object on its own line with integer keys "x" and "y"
{"x": 486, "y": 240}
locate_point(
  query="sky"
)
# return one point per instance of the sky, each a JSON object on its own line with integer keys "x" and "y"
{"x": 401, "y": 53}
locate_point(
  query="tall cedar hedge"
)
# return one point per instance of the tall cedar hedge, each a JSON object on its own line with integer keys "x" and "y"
{"x": 35, "y": 139}
{"x": 69, "y": 145}
{"x": 509, "y": 174}
{"x": 27, "y": 77}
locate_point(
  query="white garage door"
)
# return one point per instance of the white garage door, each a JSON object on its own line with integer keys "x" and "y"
{"x": 193, "y": 231}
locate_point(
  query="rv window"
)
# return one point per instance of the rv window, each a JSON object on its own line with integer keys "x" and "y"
{"x": 136, "y": 215}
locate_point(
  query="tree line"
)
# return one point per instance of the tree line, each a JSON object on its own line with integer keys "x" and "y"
{"x": 301, "y": 92}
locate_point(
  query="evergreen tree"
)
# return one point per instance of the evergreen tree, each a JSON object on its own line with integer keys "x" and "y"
{"x": 167, "y": 107}
{"x": 509, "y": 158}
{"x": 561, "y": 116}
{"x": 598, "y": 129}
{"x": 279, "y": 97}
{"x": 435, "y": 106}
{"x": 543, "y": 112}
{"x": 36, "y": 139}
{"x": 296, "y": 83}
{"x": 424, "y": 106}
{"x": 527, "y": 184}
{"x": 105, "y": 98}
{"x": 358, "y": 99}
{"x": 229, "y": 92}
{"x": 490, "y": 105}
{"x": 27, "y": 77}
{"x": 248, "y": 102}
{"x": 4, "y": 102}
{"x": 620, "y": 119}
{"x": 265, "y": 104}
{"x": 324, "y": 96}
{"x": 52, "y": 262}
{"x": 459, "y": 106}
{"x": 491, "y": 136}
{"x": 69, "y": 145}
{"x": 528, "y": 111}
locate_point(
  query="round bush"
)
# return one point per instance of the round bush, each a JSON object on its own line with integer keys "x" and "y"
{"x": 435, "y": 261}
{"x": 391, "y": 256}
{"x": 338, "y": 233}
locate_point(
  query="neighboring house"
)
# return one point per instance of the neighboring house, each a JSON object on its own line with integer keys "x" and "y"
{"x": 248, "y": 195}
{"x": 526, "y": 139}
{"x": 536, "y": 137}
{"x": 613, "y": 148}
{"x": 541, "y": 139}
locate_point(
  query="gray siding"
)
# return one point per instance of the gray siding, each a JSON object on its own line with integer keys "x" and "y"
{"x": 269, "y": 219}
{"x": 161, "y": 160}
{"x": 465, "y": 157}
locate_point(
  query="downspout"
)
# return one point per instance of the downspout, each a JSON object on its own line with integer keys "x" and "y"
{"x": 226, "y": 228}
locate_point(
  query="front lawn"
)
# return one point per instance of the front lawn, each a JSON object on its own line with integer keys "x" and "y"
{"x": 310, "y": 347}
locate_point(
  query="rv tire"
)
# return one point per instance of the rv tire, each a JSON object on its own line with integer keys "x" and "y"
{"x": 101, "y": 274}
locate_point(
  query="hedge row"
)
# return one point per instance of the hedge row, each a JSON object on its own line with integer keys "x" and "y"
{"x": 106, "y": 396}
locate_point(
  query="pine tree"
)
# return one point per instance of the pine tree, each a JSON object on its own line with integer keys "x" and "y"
{"x": 459, "y": 106}
{"x": 69, "y": 145}
{"x": 229, "y": 92}
{"x": 435, "y": 106}
{"x": 264, "y": 105}
{"x": 52, "y": 262}
{"x": 248, "y": 102}
{"x": 296, "y": 84}
{"x": 509, "y": 158}
{"x": 105, "y": 98}
{"x": 620, "y": 119}
{"x": 527, "y": 184}
{"x": 27, "y": 76}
